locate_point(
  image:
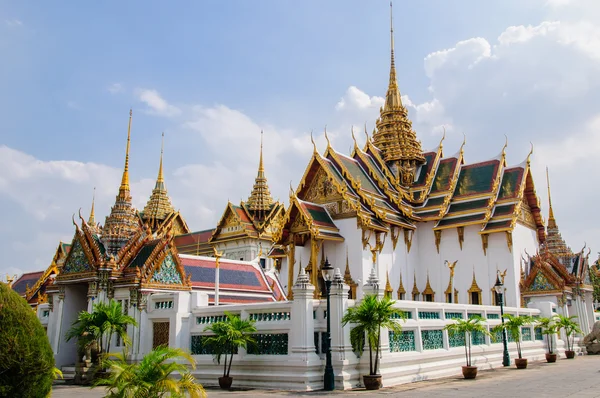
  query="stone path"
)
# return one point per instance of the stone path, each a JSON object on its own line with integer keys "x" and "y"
{"x": 566, "y": 378}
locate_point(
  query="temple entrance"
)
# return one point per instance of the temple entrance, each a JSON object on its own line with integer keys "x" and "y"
{"x": 160, "y": 334}
{"x": 74, "y": 302}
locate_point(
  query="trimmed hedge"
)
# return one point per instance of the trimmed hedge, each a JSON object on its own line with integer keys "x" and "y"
{"x": 26, "y": 358}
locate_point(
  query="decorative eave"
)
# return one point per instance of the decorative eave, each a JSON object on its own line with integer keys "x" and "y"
{"x": 401, "y": 289}
{"x": 474, "y": 286}
{"x": 428, "y": 288}
{"x": 415, "y": 289}
{"x": 425, "y": 189}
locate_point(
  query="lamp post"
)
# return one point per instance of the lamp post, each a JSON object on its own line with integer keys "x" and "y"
{"x": 499, "y": 288}
{"x": 328, "y": 378}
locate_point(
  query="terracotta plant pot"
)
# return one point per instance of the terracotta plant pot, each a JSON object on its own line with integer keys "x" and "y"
{"x": 570, "y": 354}
{"x": 225, "y": 382}
{"x": 469, "y": 372}
{"x": 372, "y": 382}
{"x": 551, "y": 358}
{"x": 521, "y": 363}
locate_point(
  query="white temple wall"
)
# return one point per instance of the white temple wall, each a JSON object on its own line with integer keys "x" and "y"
{"x": 246, "y": 249}
{"x": 359, "y": 260}
{"x": 500, "y": 258}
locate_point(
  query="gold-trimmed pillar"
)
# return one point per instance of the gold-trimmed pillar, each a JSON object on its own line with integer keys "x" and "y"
{"x": 291, "y": 263}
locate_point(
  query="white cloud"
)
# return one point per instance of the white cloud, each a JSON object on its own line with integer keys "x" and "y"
{"x": 13, "y": 23}
{"x": 156, "y": 104}
{"x": 354, "y": 98}
{"x": 115, "y": 88}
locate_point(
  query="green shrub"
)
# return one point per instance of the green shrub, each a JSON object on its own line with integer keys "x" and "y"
{"x": 26, "y": 358}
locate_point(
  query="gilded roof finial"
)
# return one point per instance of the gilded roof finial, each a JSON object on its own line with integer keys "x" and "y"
{"x": 504, "y": 147}
{"x": 92, "y": 219}
{"x": 353, "y": 137}
{"x": 260, "y": 163}
{"x": 161, "y": 178}
{"x": 393, "y": 83}
{"x": 125, "y": 179}
{"x": 313, "y": 142}
{"x": 327, "y": 138}
{"x": 529, "y": 154}
{"x": 462, "y": 146}
{"x": 551, "y": 219}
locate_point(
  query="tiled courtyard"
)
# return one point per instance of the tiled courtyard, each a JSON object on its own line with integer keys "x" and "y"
{"x": 566, "y": 378}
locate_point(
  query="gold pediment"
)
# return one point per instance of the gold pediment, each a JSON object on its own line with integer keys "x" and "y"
{"x": 321, "y": 189}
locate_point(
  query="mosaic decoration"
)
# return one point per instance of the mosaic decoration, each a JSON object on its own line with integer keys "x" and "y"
{"x": 541, "y": 283}
{"x": 538, "y": 334}
{"x": 167, "y": 274}
{"x": 477, "y": 338}
{"x": 456, "y": 339}
{"x": 454, "y": 315}
{"x": 432, "y": 339}
{"x": 77, "y": 261}
{"x": 493, "y": 316}
{"x": 270, "y": 317}
{"x": 269, "y": 344}
{"x": 525, "y": 334}
{"x": 497, "y": 336}
{"x": 403, "y": 341}
{"x": 429, "y": 315}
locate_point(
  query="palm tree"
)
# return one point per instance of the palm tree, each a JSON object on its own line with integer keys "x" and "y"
{"x": 115, "y": 321}
{"x": 369, "y": 317}
{"x": 100, "y": 325}
{"x": 549, "y": 329}
{"x": 227, "y": 336}
{"x": 150, "y": 378}
{"x": 467, "y": 327}
{"x": 570, "y": 326}
{"x": 512, "y": 324}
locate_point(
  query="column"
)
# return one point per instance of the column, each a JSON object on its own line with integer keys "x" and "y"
{"x": 291, "y": 263}
{"x": 302, "y": 333}
{"x": 343, "y": 359}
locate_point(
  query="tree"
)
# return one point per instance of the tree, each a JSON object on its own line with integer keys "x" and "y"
{"x": 570, "y": 326}
{"x": 512, "y": 324}
{"x": 99, "y": 326}
{"x": 467, "y": 327}
{"x": 549, "y": 329}
{"x": 227, "y": 336}
{"x": 26, "y": 358}
{"x": 369, "y": 317}
{"x": 150, "y": 378}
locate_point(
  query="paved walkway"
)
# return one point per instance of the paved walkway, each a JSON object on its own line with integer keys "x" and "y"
{"x": 567, "y": 378}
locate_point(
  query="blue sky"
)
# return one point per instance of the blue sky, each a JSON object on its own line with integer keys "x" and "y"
{"x": 212, "y": 74}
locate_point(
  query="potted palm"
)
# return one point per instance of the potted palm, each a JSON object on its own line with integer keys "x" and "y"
{"x": 513, "y": 324}
{"x": 468, "y": 327}
{"x": 227, "y": 336}
{"x": 152, "y": 376}
{"x": 549, "y": 329}
{"x": 369, "y": 317}
{"x": 571, "y": 327}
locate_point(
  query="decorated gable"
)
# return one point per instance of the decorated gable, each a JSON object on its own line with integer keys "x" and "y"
{"x": 167, "y": 273}
{"x": 77, "y": 261}
{"x": 541, "y": 283}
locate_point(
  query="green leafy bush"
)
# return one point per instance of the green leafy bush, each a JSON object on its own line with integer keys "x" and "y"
{"x": 26, "y": 358}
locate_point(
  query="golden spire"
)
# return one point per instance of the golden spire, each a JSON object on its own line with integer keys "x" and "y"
{"x": 160, "y": 178}
{"x": 401, "y": 291}
{"x": 388, "y": 291}
{"x": 551, "y": 219}
{"x": 554, "y": 240}
{"x": 125, "y": 179}
{"x": 260, "y": 200}
{"x": 394, "y": 135}
{"x": 159, "y": 205}
{"x": 123, "y": 221}
{"x": 92, "y": 219}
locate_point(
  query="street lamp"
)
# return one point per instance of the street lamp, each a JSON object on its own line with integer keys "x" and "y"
{"x": 328, "y": 379}
{"x": 499, "y": 288}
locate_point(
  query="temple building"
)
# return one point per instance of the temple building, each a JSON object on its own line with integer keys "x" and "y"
{"x": 431, "y": 226}
{"x": 558, "y": 275}
{"x": 245, "y": 231}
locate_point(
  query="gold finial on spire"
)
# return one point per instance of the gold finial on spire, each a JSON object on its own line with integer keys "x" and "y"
{"x": 327, "y": 138}
{"x": 161, "y": 178}
{"x": 92, "y": 219}
{"x": 462, "y": 146}
{"x": 313, "y": 142}
{"x": 529, "y": 154}
{"x": 260, "y": 163}
{"x": 388, "y": 291}
{"x": 125, "y": 179}
{"x": 551, "y": 219}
